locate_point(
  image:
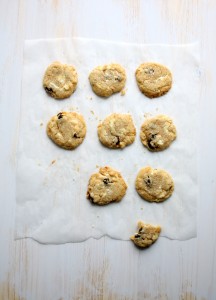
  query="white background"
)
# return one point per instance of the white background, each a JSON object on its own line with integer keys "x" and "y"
{"x": 107, "y": 269}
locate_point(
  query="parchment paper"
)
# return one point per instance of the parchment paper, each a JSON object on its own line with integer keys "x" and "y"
{"x": 52, "y": 182}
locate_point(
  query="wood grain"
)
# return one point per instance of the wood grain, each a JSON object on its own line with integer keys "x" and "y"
{"x": 105, "y": 268}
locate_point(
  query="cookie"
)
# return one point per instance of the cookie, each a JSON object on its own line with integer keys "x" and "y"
{"x": 67, "y": 129}
{"x": 106, "y": 186}
{"x": 147, "y": 234}
{"x": 107, "y": 80}
{"x": 153, "y": 80}
{"x": 158, "y": 133}
{"x": 117, "y": 131}
{"x": 60, "y": 80}
{"x": 154, "y": 185}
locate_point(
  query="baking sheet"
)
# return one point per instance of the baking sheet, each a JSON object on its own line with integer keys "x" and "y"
{"x": 52, "y": 182}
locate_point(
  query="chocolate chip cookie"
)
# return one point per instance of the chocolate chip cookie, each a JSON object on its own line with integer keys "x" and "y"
{"x": 153, "y": 79}
{"x": 106, "y": 186}
{"x": 158, "y": 133}
{"x": 67, "y": 129}
{"x": 154, "y": 185}
{"x": 107, "y": 80}
{"x": 147, "y": 234}
{"x": 60, "y": 80}
{"x": 117, "y": 131}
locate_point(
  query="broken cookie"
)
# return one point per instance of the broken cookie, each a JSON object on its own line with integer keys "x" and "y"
{"x": 147, "y": 234}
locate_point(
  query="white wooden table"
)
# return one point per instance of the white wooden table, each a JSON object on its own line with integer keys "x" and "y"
{"x": 105, "y": 268}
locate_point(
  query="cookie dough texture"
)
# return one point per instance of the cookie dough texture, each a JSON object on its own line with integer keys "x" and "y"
{"x": 117, "y": 131}
{"x": 67, "y": 129}
{"x": 107, "y": 80}
{"x": 154, "y": 185}
{"x": 153, "y": 79}
{"x": 106, "y": 186}
{"x": 147, "y": 234}
{"x": 158, "y": 133}
{"x": 60, "y": 80}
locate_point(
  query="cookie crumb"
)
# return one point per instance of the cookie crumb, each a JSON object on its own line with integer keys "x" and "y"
{"x": 71, "y": 108}
{"x": 147, "y": 115}
{"x": 123, "y": 92}
{"x": 141, "y": 208}
{"x": 97, "y": 166}
{"x": 53, "y": 161}
{"x": 78, "y": 169}
{"x": 92, "y": 112}
{"x": 41, "y": 124}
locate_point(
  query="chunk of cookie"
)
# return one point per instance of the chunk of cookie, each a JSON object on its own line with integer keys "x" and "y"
{"x": 147, "y": 234}
{"x": 117, "y": 131}
{"x": 107, "y": 80}
{"x": 67, "y": 129}
{"x": 153, "y": 79}
{"x": 154, "y": 185}
{"x": 158, "y": 133}
{"x": 106, "y": 186}
{"x": 60, "y": 80}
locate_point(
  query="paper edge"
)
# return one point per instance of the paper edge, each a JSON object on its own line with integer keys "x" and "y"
{"x": 194, "y": 43}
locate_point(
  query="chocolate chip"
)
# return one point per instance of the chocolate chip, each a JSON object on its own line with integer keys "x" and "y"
{"x": 118, "y": 78}
{"x": 106, "y": 180}
{"x": 148, "y": 181}
{"x": 118, "y": 141}
{"x": 75, "y": 136}
{"x": 137, "y": 236}
{"x": 150, "y": 145}
{"x": 150, "y": 140}
{"x": 49, "y": 90}
{"x": 153, "y": 136}
{"x": 60, "y": 115}
{"x": 140, "y": 230}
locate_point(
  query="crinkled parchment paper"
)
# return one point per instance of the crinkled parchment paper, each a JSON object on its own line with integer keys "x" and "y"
{"x": 52, "y": 182}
